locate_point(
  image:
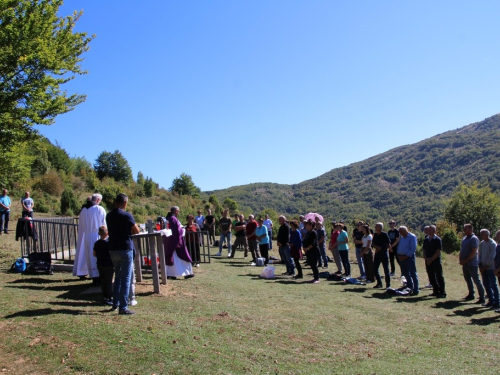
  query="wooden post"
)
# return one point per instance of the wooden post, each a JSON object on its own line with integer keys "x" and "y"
{"x": 152, "y": 254}
{"x": 137, "y": 260}
{"x": 163, "y": 266}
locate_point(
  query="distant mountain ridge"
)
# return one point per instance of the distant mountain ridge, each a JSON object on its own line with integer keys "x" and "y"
{"x": 409, "y": 183}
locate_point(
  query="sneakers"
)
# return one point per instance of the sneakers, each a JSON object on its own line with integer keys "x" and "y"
{"x": 218, "y": 254}
{"x": 487, "y": 304}
{"x": 108, "y": 302}
{"x": 126, "y": 312}
{"x": 253, "y": 264}
{"x": 378, "y": 286}
{"x": 133, "y": 302}
{"x": 480, "y": 301}
{"x": 442, "y": 295}
{"x": 113, "y": 308}
{"x": 229, "y": 255}
{"x": 429, "y": 286}
{"x": 314, "y": 281}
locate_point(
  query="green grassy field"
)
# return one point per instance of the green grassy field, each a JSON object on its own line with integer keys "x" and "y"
{"x": 228, "y": 321}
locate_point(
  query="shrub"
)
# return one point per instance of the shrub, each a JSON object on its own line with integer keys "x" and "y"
{"x": 50, "y": 183}
{"x": 451, "y": 241}
{"x": 69, "y": 203}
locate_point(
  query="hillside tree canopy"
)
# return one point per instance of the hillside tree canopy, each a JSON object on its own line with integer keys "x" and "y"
{"x": 39, "y": 52}
{"x": 184, "y": 185}
{"x": 113, "y": 165}
{"x": 476, "y": 205}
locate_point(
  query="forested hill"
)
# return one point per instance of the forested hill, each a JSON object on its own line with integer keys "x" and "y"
{"x": 409, "y": 183}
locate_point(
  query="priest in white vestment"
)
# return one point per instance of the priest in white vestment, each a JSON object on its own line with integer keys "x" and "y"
{"x": 91, "y": 219}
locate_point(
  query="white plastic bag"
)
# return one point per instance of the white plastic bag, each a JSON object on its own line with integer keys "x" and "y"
{"x": 267, "y": 272}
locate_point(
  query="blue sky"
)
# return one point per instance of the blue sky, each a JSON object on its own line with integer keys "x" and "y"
{"x": 235, "y": 92}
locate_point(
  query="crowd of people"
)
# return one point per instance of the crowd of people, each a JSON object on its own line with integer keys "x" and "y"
{"x": 373, "y": 247}
{"x": 105, "y": 250}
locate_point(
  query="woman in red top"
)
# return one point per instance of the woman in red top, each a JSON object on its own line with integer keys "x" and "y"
{"x": 193, "y": 240}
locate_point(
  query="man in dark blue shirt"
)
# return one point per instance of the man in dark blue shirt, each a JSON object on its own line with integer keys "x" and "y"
{"x": 121, "y": 225}
{"x": 432, "y": 256}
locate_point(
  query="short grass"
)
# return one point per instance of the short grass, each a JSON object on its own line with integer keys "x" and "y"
{"x": 228, "y": 321}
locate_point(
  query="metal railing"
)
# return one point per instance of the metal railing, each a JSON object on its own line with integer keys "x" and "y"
{"x": 57, "y": 236}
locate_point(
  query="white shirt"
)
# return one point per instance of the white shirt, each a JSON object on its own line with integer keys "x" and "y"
{"x": 268, "y": 223}
{"x": 366, "y": 239}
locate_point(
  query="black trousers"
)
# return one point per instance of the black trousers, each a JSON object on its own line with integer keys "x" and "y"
{"x": 435, "y": 273}
{"x": 264, "y": 252}
{"x": 344, "y": 256}
{"x": 106, "y": 275}
{"x": 381, "y": 257}
{"x": 194, "y": 251}
{"x": 298, "y": 266}
{"x": 393, "y": 257}
{"x": 312, "y": 259}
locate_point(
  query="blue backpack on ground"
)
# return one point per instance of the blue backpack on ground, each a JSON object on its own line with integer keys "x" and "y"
{"x": 19, "y": 266}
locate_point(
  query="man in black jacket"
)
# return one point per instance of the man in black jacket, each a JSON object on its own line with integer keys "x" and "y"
{"x": 283, "y": 241}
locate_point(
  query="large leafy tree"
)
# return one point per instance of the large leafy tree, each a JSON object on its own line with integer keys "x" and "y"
{"x": 113, "y": 165}
{"x": 476, "y": 205}
{"x": 184, "y": 185}
{"x": 39, "y": 52}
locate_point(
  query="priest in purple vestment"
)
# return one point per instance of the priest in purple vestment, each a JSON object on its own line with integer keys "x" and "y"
{"x": 177, "y": 258}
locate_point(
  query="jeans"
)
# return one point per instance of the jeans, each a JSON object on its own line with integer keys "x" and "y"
{"x": 361, "y": 265}
{"x": 435, "y": 273}
{"x": 382, "y": 257}
{"x": 471, "y": 274}
{"x": 270, "y": 234}
{"x": 490, "y": 284}
{"x": 4, "y": 219}
{"x": 226, "y": 236}
{"x": 286, "y": 255}
{"x": 322, "y": 258}
{"x": 344, "y": 256}
{"x": 123, "y": 261}
{"x": 409, "y": 271}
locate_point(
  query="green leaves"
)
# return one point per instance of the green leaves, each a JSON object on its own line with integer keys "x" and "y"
{"x": 476, "y": 205}
{"x": 184, "y": 185}
{"x": 39, "y": 52}
{"x": 113, "y": 165}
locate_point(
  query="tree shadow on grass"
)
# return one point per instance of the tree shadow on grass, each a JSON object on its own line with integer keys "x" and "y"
{"x": 47, "y": 311}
